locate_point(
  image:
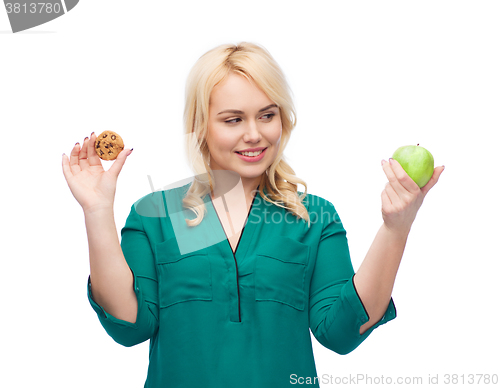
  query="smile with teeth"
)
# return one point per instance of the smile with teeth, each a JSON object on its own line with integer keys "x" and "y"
{"x": 256, "y": 153}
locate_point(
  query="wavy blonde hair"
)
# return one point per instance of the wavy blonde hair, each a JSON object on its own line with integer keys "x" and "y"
{"x": 256, "y": 64}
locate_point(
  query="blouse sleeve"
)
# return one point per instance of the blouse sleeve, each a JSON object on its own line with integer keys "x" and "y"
{"x": 139, "y": 256}
{"x": 336, "y": 312}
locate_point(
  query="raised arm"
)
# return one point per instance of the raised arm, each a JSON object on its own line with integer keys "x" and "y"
{"x": 401, "y": 200}
{"x": 113, "y": 288}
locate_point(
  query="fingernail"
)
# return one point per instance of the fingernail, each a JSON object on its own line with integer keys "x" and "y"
{"x": 382, "y": 162}
{"x": 390, "y": 160}
{"x": 443, "y": 167}
{"x": 85, "y": 138}
{"x": 77, "y": 143}
{"x": 130, "y": 151}
{"x": 91, "y": 134}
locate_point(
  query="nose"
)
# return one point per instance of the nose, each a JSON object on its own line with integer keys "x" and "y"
{"x": 252, "y": 133}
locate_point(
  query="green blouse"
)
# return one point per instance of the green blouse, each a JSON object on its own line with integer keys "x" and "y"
{"x": 218, "y": 319}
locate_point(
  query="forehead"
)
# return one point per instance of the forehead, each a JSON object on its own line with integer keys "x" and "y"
{"x": 237, "y": 92}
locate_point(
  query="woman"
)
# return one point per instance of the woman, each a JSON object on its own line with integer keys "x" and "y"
{"x": 227, "y": 298}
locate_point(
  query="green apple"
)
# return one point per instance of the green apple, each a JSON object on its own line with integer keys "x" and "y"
{"x": 417, "y": 162}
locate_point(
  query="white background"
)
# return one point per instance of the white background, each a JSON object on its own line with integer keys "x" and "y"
{"x": 367, "y": 77}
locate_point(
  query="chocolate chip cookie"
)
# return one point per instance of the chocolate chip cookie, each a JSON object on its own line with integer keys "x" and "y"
{"x": 108, "y": 145}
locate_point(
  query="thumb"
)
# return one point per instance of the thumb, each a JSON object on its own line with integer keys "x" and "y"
{"x": 433, "y": 180}
{"x": 117, "y": 165}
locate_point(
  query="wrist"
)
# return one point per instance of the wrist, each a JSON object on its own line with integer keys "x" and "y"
{"x": 400, "y": 233}
{"x": 98, "y": 209}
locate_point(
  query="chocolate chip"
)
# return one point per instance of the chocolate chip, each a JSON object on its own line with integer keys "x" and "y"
{"x": 110, "y": 152}
{"x": 102, "y": 153}
{"x": 106, "y": 146}
{"x": 98, "y": 144}
{"x": 113, "y": 137}
{"x": 103, "y": 136}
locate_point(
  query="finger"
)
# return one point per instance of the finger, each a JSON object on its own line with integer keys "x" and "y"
{"x": 404, "y": 179}
{"x": 82, "y": 157}
{"x": 73, "y": 159}
{"x": 391, "y": 194}
{"x": 435, "y": 177}
{"x": 65, "y": 167}
{"x": 117, "y": 165}
{"x": 393, "y": 180}
{"x": 386, "y": 201}
{"x": 91, "y": 154}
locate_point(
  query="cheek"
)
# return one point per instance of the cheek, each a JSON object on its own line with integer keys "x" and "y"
{"x": 276, "y": 135}
{"x": 222, "y": 141}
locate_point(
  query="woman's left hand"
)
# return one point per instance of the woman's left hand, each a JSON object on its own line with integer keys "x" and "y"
{"x": 402, "y": 197}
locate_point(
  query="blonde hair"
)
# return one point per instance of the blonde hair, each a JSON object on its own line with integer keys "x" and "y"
{"x": 256, "y": 64}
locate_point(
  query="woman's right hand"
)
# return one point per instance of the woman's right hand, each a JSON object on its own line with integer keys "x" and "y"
{"x": 91, "y": 186}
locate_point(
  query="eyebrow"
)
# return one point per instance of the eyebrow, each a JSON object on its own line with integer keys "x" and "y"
{"x": 241, "y": 112}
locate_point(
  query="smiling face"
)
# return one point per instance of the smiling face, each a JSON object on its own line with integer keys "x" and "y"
{"x": 256, "y": 125}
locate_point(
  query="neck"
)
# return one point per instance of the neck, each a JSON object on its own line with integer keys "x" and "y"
{"x": 224, "y": 186}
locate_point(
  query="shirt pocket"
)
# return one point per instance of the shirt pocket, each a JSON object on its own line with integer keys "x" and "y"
{"x": 280, "y": 272}
{"x": 182, "y": 278}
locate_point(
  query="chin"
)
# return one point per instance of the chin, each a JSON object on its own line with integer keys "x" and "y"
{"x": 247, "y": 175}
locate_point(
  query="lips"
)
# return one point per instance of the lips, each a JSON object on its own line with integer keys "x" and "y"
{"x": 255, "y": 150}
{"x": 253, "y": 159}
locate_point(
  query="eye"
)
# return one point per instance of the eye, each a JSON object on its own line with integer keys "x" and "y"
{"x": 232, "y": 121}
